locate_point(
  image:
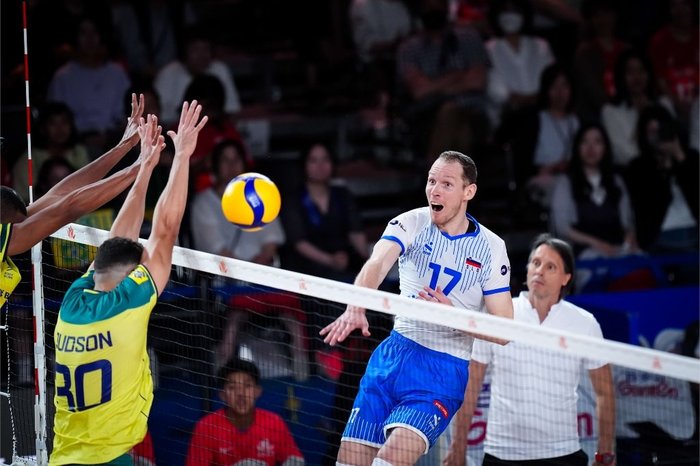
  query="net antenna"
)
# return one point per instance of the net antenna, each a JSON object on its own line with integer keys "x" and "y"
{"x": 37, "y": 298}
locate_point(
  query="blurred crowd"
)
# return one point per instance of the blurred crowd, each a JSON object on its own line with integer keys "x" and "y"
{"x": 595, "y": 101}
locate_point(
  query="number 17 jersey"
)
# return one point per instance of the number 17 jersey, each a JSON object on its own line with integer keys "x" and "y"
{"x": 104, "y": 388}
{"x": 466, "y": 267}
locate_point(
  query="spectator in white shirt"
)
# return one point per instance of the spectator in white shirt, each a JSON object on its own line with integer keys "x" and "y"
{"x": 172, "y": 80}
{"x": 533, "y": 408}
{"x": 634, "y": 91}
{"x": 378, "y": 26}
{"x": 517, "y": 58}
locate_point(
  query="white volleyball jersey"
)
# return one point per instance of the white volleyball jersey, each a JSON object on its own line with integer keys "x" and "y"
{"x": 466, "y": 267}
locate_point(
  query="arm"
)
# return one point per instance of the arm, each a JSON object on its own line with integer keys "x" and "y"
{"x": 171, "y": 204}
{"x": 266, "y": 255}
{"x": 601, "y": 379}
{"x": 463, "y": 418}
{"x": 383, "y": 257}
{"x": 315, "y": 254}
{"x": 130, "y": 217}
{"x": 73, "y": 206}
{"x": 97, "y": 169}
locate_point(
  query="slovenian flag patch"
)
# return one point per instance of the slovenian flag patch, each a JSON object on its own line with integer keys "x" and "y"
{"x": 473, "y": 263}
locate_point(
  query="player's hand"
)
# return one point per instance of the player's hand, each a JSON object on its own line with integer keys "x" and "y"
{"x": 434, "y": 295}
{"x": 456, "y": 456}
{"x": 185, "y": 139}
{"x": 131, "y": 133}
{"x": 353, "y": 318}
{"x": 152, "y": 142}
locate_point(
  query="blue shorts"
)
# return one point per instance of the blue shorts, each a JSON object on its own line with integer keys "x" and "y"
{"x": 406, "y": 385}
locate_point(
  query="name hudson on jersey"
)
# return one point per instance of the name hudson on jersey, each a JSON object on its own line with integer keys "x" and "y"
{"x": 71, "y": 344}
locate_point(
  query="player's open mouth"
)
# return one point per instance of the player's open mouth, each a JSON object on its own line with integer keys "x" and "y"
{"x": 436, "y": 207}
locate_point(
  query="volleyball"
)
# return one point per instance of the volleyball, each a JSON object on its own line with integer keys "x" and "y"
{"x": 251, "y": 201}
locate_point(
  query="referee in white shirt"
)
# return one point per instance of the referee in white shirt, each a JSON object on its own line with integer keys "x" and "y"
{"x": 533, "y": 410}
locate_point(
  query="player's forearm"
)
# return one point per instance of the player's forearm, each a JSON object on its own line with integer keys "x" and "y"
{"x": 87, "y": 175}
{"x": 171, "y": 204}
{"x": 130, "y": 217}
{"x": 313, "y": 253}
{"x": 606, "y": 422}
{"x": 463, "y": 418}
{"x": 97, "y": 169}
{"x": 86, "y": 199}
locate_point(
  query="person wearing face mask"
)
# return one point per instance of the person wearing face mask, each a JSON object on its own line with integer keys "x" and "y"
{"x": 442, "y": 73}
{"x": 517, "y": 59}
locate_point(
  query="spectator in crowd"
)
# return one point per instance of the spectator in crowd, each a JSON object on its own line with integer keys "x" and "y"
{"x": 542, "y": 142}
{"x": 213, "y": 233}
{"x": 533, "y": 412}
{"x": 663, "y": 185}
{"x": 517, "y": 58}
{"x": 594, "y": 64}
{"x": 675, "y": 55}
{"x": 635, "y": 90}
{"x": 209, "y": 91}
{"x": 92, "y": 86}
{"x": 145, "y": 31}
{"x": 378, "y": 26}
{"x": 172, "y": 80}
{"x": 443, "y": 69}
{"x": 590, "y": 205}
{"x": 57, "y": 137}
{"x": 240, "y": 433}
{"x": 324, "y": 230}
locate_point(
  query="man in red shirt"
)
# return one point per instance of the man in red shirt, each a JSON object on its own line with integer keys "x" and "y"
{"x": 240, "y": 431}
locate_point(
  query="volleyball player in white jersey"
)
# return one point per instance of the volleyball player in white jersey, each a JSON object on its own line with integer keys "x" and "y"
{"x": 415, "y": 379}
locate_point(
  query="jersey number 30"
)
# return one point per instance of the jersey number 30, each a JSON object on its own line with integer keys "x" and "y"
{"x": 76, "y": 397}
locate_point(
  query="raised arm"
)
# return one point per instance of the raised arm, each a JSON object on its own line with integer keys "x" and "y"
{"x": 71, "y": 207}
{"x": 97, "y": 169}
{"x": 372, "y": 274}
{"x": 171, "y": 204}
{"x": 130, "y": 217}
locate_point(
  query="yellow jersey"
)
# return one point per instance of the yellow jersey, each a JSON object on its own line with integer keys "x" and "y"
{"x": 103, "y": 382}
{"x": 9, "y": 273}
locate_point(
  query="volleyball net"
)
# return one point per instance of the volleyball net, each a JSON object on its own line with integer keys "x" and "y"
{"x": 216, "y": 308}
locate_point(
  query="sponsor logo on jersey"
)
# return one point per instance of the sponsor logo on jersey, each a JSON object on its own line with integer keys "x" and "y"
{"x": 473, "y": 263}
{"x": 441, "y": 408}
{"x": 427, "y": 248}
{"x": 504, "y": 269}
{"x": 265, "y": 448}
{"x": 396, "y": 222}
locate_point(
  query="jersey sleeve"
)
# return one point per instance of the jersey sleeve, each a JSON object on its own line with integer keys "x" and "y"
{"x": 482, "y": 351}
{"x": 201, "y": 449}
{"x": 285, "y": 447}
{"x": 498, "y": 280}
{"x": 5, "y": 234}
{"x": 595, "y": 331}
{"x": 402, "y": 230}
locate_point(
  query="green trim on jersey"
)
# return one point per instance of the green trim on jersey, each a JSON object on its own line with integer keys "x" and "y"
{"x": 83, "y": 305}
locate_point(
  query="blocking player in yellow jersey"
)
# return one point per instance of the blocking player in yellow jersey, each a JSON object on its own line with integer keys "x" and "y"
{"x": 103, "y": 382}
{"x": 22, "y": 226}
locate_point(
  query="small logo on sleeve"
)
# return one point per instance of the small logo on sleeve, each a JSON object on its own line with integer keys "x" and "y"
{"x": 504, "y": 269}
{"x": 473, "y": 263}
{"x": 396, "y": 222}
{"x": 138, "y": 276}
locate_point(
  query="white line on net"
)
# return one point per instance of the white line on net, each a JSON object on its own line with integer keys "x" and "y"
{"x": 622, "y": 354}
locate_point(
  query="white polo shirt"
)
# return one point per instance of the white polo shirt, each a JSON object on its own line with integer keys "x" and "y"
{"x": 533, "y": 412}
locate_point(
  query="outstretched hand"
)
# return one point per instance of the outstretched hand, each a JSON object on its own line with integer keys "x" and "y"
{"x": 434, "y": 295}
{"x": 185, "y": 139}
{"x": 353, "y": 318}
{"x": 152, "y": 141}
{"x": 131, "y": 133}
